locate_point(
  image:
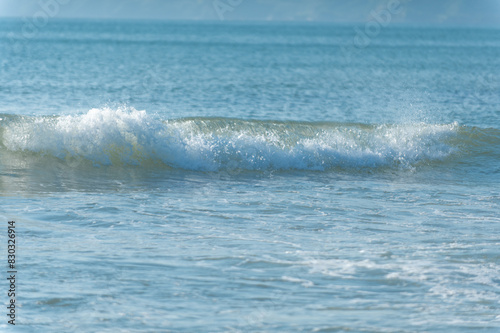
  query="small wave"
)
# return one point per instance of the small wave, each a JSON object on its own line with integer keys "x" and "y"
{"x": 123, "y": 137}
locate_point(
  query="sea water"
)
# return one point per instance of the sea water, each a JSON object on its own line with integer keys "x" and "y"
{"x": 250, "y": 177}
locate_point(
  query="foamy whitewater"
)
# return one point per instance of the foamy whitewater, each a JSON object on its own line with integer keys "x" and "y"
{"x": 130, "y": 137}
{"x": 251, "y": 177}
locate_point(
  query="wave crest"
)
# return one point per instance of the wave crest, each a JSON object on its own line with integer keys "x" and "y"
{"x": 131, "y": 137}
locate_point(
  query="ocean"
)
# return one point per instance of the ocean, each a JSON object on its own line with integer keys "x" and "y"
{"x": 250, "y": 177}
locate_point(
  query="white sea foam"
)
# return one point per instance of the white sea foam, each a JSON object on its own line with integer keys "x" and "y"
{"x": 131, "y": 137}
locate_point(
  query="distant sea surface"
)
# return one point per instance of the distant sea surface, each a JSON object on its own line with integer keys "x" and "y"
{"x": 250, "y": 177}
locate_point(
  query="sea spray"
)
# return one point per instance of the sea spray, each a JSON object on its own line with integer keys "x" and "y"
{"x": 122, "y": 137}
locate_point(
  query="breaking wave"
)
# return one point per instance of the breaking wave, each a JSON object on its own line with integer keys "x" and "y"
{"x": 126, "y": 137}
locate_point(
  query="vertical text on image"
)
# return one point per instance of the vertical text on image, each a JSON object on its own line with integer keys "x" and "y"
{"x": 11, "y": 271}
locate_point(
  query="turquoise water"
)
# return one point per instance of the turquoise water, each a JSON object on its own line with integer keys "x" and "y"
{"x": 257, "y": 177}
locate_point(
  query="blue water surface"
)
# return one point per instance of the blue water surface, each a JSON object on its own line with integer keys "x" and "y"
{"x": 251, "y": 177}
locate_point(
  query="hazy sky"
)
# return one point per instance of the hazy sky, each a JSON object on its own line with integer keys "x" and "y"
{"x": 447, "y": 12}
